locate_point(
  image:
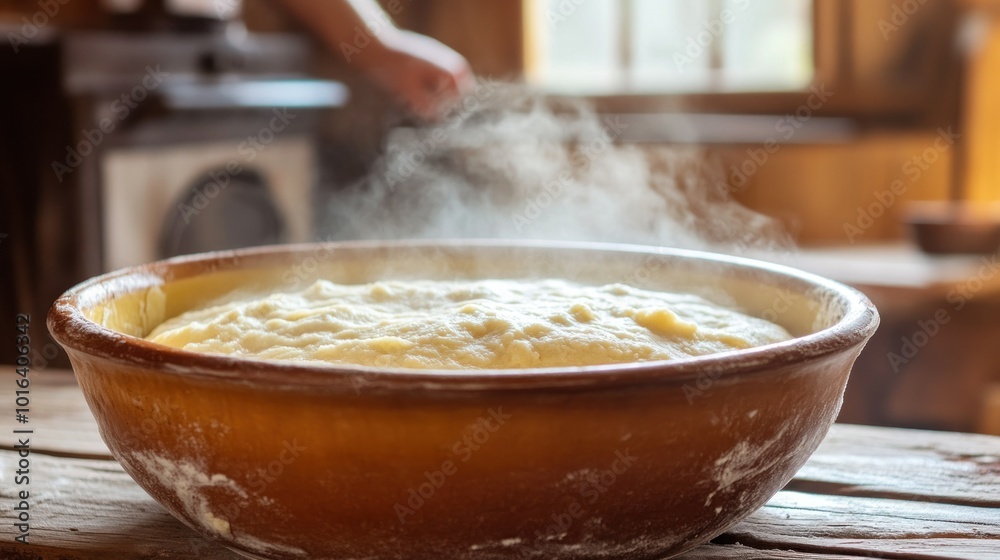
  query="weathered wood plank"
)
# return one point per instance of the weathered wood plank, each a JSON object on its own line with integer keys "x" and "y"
{"x": 92, "y": 508}
{"x": 923, "y": 549}
{"x": 852, "y": 525}
{"x": 82, "y": 508}
{"x": 59, "y": 416}
{"x": 87, "y": 509}
{"x": 905, "y": 464}
{"x": 737, "y": 551}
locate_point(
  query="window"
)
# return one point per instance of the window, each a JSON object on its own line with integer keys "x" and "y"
{"x": 607, "y": 47}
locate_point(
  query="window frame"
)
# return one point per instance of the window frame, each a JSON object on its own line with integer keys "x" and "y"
{"x": 832, "y": 54}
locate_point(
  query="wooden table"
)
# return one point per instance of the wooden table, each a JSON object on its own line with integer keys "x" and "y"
{"x": 867, "y": 492}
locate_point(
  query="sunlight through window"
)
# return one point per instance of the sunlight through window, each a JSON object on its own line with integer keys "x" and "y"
{"x": 669, "y": 46}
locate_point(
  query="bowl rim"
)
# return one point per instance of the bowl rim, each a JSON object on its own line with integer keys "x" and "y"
{"x": 78, "y": 334}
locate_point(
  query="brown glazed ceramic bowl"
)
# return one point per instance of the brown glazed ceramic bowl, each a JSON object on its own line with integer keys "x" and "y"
{"x": 278, "y": 460}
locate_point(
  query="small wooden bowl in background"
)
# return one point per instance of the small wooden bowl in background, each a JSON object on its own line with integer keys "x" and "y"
{"x": 946, "y": 228}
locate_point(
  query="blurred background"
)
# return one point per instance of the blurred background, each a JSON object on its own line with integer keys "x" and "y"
{"x": 868, "y": 127}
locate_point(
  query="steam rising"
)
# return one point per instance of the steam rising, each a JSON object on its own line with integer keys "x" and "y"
{"x": 510, "y": 163}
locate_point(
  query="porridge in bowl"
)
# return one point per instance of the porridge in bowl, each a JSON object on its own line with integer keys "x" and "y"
{"x": 470, "y": 324}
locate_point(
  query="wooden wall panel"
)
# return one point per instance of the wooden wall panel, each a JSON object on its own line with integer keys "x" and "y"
{"x": 817, "y": 189}
{"x": 982, "y": 121}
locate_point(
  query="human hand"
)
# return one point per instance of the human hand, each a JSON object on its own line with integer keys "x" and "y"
{"x": 422, "y": 73}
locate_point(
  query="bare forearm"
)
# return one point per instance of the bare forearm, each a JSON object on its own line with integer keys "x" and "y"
{"x": 359, "y": 29}
{"x": 420, "y": 72}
